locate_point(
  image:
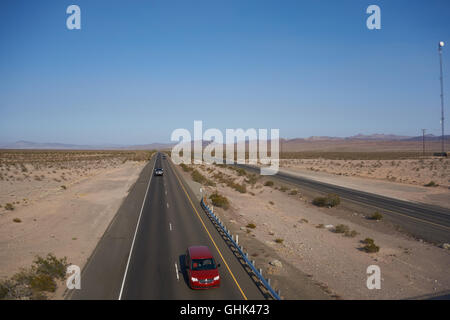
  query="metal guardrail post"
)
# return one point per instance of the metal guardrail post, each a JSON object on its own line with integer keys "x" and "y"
{"x": 244, "y": 256}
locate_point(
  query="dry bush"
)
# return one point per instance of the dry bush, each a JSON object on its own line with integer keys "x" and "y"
{"x": 36, "y": 281}
{"x": 331, "y": 200}
{"x": 219, "y": 201}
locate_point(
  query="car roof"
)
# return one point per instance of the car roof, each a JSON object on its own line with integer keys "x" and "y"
{"x": 199, "y": 252}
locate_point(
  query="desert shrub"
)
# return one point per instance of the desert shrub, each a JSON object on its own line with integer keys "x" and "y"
{"x": 251, "y": 226}
{"x": 284, "y": 189}
{"x": 319, "y": 201}
{"x": 51, "y": 266}
{"x": 17, "y": 220}
{"x": 320, "y": 226}
{"x": 431, "y": 184}
{"x": 43, "y": 282}
{"x": 342, "y": 228}
{"x": 5, "y": 286}
{"x": 219, "y": 201}
{"x": 241, "y": 172}
{"x": 63, "y": 187}
{"x": 376, "y": 216}
{"x": 9, "y": 206}
{"x": 293, "y": 192}
{"x": 33, "y": 282}
{"x": 331, "y": 200}
{"x": 269, "y": 183}
{"x": 242, "y": 188}
{"x": 279, "y": 240}
{"x": 271, "y": 202}
{"x": 370, "y": 246}
{"x": 198, "y": 177}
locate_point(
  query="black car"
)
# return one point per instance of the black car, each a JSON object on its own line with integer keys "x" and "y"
{"x": 159, "y": 172}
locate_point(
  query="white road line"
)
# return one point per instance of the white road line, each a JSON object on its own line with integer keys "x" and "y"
{"x": 176, "y": 270}
{"x": 170, "y": 226}
{"x": 135, "y": 232}
{"x": 167, "y": 205}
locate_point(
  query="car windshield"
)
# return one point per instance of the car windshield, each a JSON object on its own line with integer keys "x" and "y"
{"x": 203, "y": 264}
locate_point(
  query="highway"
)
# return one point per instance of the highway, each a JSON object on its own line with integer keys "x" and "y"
{"x": 141, "y": 255}
{"x": 428, "y": 222}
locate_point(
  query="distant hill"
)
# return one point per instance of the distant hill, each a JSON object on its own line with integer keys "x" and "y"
{"x": 428, "y": 137}
{"x": 377, "y": 136}
{"x": 359, "y": 142}
{"x": 63, "y": 146}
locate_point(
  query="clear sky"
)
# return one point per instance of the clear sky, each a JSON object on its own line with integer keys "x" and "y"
{"x": 138, "y": 69}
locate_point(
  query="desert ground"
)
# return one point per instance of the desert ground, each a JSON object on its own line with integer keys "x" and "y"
{"x": 410, "y": 171}
{"x": 60, "y": 202}
{"x": 301, "y": 246}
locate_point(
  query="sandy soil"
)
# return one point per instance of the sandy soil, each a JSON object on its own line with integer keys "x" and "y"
{"x": 409, "y": 268}
{"x": 52, "y": 219}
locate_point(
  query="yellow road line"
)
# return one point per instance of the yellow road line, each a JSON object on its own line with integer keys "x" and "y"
{"x": 204, "y": 226}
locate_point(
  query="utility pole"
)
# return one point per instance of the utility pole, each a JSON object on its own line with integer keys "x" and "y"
{"x": 423, "y": 142}
{"x": 441, "y": 45}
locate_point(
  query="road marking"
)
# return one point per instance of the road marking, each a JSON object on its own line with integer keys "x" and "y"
{"x": 167, "y": 205}
{"x": 170, "y": 226}
{"x": 210, "y": 237}
{"x": 135, "y": 233}
{"x": 176, "y": 270}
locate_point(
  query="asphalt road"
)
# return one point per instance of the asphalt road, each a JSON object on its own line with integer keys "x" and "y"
{"x": 141, "y": 254}
{"x": 429, "y": 222}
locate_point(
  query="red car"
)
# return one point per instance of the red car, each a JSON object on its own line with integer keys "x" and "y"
{"x": 201, "y": 268}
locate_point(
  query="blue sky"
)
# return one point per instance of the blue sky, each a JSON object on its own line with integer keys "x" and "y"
{"x": 137, "y": 70}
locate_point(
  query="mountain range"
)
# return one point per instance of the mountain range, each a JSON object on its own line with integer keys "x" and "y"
{"x": 287, "y": 144}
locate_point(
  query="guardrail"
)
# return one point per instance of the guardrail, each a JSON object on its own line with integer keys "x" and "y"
{"x": 258, "y": 273}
